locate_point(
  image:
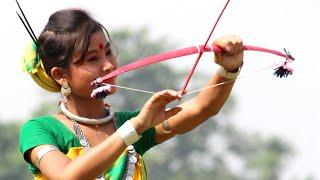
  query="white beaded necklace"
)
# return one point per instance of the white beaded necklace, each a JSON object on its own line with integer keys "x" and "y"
{"x": 84, "y": 120}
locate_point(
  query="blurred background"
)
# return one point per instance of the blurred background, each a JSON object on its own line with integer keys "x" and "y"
{"x": 269, "y": 127}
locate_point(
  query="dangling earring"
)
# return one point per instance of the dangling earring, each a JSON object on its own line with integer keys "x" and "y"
{"x": 65, "y": 89}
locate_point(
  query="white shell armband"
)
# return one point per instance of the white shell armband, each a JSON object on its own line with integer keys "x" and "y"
{"x": 128, "y": 133}
{"x": 228, "y": 75}
{"x": 45, "y": 149}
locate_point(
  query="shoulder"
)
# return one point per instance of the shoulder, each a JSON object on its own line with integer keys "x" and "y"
{"x": 42, "y": 130}
{"x": 36, "y": 125}
{"x": 42, "y": 121}
{"x": 35, "y": 132}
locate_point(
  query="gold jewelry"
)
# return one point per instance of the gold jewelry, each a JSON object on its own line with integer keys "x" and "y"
{"x": 65, "y": 89}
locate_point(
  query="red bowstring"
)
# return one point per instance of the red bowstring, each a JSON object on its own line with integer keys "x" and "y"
{"x": 179, "y": 53}
{"x": 183, "y": 89}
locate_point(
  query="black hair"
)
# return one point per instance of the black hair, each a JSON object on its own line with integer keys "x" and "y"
{"x": 66, "y": 31}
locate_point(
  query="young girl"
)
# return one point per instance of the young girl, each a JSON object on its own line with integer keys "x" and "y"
{"x": 86, "y": 140}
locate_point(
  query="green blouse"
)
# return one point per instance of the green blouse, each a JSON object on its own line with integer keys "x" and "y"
{"x": 49, "y": 130}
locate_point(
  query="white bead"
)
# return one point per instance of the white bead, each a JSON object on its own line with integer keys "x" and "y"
{"x": 129, "y": 148}
{"x": 133, "y": 159}
{"x": 83, "y": 142}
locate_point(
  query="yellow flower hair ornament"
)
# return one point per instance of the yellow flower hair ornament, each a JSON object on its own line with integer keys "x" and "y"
{"x": 31, "y": 61}
{"x": 32, "y": 64}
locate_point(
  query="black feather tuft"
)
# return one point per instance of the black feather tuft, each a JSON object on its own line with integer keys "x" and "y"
{"x": 282, "y": 71}
{"x": 101, "y": 95}
{"x": 101, "y": 90}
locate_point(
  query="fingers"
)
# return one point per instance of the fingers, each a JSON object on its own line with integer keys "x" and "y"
{"x": 230, "y": 45}
{"x": 238, "y": 44}
{"x": 164, "y": 97}
{"x": 154, "y": 109}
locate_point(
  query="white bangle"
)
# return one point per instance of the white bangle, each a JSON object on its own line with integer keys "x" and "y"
{"x": 228, "y": 75}
{"x": 45, "y": 150}
{"x": 128, "y": 133}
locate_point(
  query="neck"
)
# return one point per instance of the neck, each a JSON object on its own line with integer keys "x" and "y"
{"x": 89, "y": 108}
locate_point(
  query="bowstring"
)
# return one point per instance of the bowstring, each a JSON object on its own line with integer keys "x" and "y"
{"x": 208, "y": 87}
{"x": 238, "y": 78}
{"x": 132, "y": 89}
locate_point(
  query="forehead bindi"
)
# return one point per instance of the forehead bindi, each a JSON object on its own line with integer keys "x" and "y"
{"x": 98, "y": 41}
{"x": 100, "y": 46}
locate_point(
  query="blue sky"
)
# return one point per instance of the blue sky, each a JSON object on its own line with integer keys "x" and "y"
{"x": 285, "y": 107}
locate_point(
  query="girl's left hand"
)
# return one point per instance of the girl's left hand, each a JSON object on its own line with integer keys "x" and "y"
{"x": 231, "y": 58}
{"x": 154, "y": 111}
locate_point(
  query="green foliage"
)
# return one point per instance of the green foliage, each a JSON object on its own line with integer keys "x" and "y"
{"x": 12, "y": 165}
{"x": 210, "y": 150}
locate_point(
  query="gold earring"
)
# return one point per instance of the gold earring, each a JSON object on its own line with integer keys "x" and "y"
{"x": 65, "y": 89}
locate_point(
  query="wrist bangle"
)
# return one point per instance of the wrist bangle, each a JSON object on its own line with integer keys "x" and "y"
{"x": 128, "y": 133}
{"x": 228, "y": 75}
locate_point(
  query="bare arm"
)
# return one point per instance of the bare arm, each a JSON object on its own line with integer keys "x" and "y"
{"x": 209, "y": 101}
{"x": 56, "y": 165}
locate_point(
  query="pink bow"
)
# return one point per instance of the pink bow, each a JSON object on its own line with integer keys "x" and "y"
{"x": 180, "y": 53}
{"x": 281, "y": 71}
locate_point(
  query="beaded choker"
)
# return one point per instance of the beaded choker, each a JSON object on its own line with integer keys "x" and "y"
{"x": 84, "y": 120}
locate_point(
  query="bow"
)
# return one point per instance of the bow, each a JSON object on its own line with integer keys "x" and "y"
{"x": 180, "y": 53}
{"x": 281, "y": 71}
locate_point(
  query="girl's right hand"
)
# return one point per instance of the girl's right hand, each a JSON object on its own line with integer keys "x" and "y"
{"x": 154, "y": 111}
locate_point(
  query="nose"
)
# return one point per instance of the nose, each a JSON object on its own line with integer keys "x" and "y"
{"x": 108, "y": 66}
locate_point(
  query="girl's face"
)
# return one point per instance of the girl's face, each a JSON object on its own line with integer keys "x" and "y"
{"x": 98, "y": 61}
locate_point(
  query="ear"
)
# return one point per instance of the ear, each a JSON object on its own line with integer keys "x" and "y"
{"x": 58, "y": 74}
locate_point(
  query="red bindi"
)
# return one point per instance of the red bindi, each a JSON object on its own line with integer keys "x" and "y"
{"x": 100, "y": 46}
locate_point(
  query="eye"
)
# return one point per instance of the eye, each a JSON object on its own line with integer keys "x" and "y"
{"x": 93, "y": 58}
{"x": 109, "y": 52}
